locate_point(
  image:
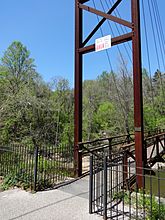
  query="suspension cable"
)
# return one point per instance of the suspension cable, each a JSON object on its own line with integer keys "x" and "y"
{"x": 158, "y": 33}
{"x": 117, "y": 13}
{"x": 160, "y": 24}
{"x": 148, "y": 58}
{"x": 108, "y": 57}
{"x": 153, "y": 30}
{"x": 118, "y": 48}
{"x": 120, "y": 33}
{"x": 161, "y": 83}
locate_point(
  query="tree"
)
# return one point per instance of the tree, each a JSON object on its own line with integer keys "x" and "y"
{"x": 125, "y": 96}
{"x": 18, "y": 67}
{"x": 62, "y": 101}
{"x": 159, "y": 91}
{"x": 106, "y": 118}
{"x": 34, "y": 111}
{"x": 24, "y": 106}
{"x": 90, "y": 105}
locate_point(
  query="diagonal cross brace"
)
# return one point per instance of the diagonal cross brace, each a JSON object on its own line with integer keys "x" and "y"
{"x": 100, "y": 23}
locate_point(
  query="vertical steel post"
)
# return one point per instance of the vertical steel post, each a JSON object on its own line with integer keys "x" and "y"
{"x": 110, "y": 148}
{"x": 125, "y": 167}
{"x": 138, "y": 98}
{"x": 35, "y": 167}
{"x": 91, "y": 185}
{"x": 105, "y": 185}
{"x": 157, "y": 147}
{"x": 125, "y": 161}
{"x": 79, "y": 165}
{"x": 78, "y": 84}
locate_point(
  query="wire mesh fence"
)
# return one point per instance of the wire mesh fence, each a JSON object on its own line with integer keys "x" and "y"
{"x": 36, "y": 168}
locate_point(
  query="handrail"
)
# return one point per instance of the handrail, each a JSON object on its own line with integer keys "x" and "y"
{"x": 157, "y": 135}
{"x": 104, "y": 139}
{"x": 115, "y": 137}
{"x": 124, "y": 146}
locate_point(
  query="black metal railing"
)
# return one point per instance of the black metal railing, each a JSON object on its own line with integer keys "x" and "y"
{"x": 41, "y": 167}
{"x": 98, "y": 146}
{"x": 114, "y": 144}
{"x": 114, "y": 197}
{"x": 36, "y": 168}
{"x": 16, "y": 164}
{"x": 155, "y": 148}
{"x": 113, "y": 189}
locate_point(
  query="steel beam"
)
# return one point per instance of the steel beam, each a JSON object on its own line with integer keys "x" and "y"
{"x": 78, "y": 86}
{"x": 106, "y": 16}
{"x": 101, "y": 22}
{"x": 115, "y": 41}
{"x": 138, "y": 98}
{"x": 83, "y": 1}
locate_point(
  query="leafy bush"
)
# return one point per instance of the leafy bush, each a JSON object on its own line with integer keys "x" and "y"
{"x": 24, "y": 181}
{"x": 154, "y": 210}
{"x": 150, "y": 204}
{"x": 20, "y": 179}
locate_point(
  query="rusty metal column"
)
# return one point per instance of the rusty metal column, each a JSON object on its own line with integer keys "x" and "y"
{"x": 78, "y": 86}
{"x": 138, "y": 97}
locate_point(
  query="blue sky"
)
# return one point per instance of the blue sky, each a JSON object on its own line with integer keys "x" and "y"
{"x": 46, "y": 27}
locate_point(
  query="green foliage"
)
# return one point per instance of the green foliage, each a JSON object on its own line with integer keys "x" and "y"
{"x": 16, "y": 180}
{"x": 154, "y": 100}
{"x": 154, "y": 210}
{"x": 17, "y": 165}
{"x": 43, "y": 184}
{"x": 24, "y": 181}
{"x": 120, "y": 195}
{"x": 150, "y": 204}
{"x": 105, "y": 117}
{"x": 33, "y": 112}
{"x": 149, "y": 117}
{"x": 30, "y": 110}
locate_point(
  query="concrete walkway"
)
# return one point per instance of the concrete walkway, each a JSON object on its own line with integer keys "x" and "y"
{"x": 68, "y": 202}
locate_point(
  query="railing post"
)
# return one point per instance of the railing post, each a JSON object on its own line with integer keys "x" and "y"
{"x": 125, "y": 166}
{"x": 157, "y": 146}
{"x": 79, "y": 160}
{"x": 125, "y": 161}
{"x": 110, "y": 148}
{"x": 105, "y": 189}
{"x": 145, "y": 154}
{"x": 91, "y": 185}
{"x": 35, "y": 167}
{"x": 128, "y": 139}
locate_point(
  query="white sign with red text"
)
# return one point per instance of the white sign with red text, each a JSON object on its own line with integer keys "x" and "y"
{"x": 103, "y": 43}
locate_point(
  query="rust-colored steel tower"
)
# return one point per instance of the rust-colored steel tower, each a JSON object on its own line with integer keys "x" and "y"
{"x": 81, "y": 48}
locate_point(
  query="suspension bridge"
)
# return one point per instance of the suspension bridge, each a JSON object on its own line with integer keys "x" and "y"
{"x": 123, "y": 31}
{"x": 118, "y": 166}
{"x": 111, "y": 171}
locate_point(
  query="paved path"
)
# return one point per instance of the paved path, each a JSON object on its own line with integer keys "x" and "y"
{"x": 68, "y": 202}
